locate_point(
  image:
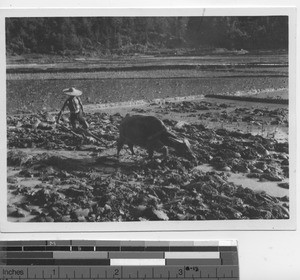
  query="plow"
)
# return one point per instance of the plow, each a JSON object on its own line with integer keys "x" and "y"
{"x": 84, "y": 133}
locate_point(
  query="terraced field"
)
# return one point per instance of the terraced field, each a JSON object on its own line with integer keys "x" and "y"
{"x": 242, "y": 147}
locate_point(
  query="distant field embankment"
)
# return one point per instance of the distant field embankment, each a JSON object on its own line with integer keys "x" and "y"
{"x": 40, "y": 88}
{"x": 216, "y": 62}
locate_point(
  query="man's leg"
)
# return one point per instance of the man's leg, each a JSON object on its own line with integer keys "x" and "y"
{"x": 73, "y": 121}
{"x": 82, "y": 120}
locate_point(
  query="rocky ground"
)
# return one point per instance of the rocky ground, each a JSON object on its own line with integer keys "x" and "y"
{"x": 57, "y": 176}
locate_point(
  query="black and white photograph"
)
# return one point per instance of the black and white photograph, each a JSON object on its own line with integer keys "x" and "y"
{"x": 147, "y": 119}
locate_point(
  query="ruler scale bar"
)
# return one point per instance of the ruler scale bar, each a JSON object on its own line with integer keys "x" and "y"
{"x": 192, "y": 255}
{"x": 114, "y": 243}
{"x": 98, "y": 259}
{"x": 103, "y": 248}
{"x": 11, "y": 248}
{"x": 136, "y": 278}
{"x": 134, "y": 255}
{"x": 80, "y": 255}
{"x": 42, "y": 262}
{"x": 193, "y": 262}
{"x": 138, "y": 262}
{"x": 83, "y": 248}
{"x": 134, "y": 272}
{"x": 157, "y": 248}
{"x": 29, "y": 255}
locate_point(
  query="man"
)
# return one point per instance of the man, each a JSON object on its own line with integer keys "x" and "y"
{"x": 75, "y": 106}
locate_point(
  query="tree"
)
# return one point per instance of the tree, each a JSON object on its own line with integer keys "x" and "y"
{"x": 115, "y": 34}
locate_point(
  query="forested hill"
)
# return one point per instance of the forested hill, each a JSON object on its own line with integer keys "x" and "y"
{"x": 127, "y": 35}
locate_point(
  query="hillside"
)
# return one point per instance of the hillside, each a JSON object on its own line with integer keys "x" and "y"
{"x": 147, "y": 35}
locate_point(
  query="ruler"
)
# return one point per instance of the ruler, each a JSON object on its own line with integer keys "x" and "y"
{"x": 97, "y": 259}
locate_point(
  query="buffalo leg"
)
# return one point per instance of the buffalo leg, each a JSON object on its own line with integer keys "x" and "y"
{"x": 165, "y": 151}
{"x": 150, "y": 150}
{"x": 131, "y": 148}
{"x": 120, "y": 144}
{"x": 156, "y": 146}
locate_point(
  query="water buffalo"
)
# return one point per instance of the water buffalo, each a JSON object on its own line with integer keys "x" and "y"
{"x": 149, "y": 132}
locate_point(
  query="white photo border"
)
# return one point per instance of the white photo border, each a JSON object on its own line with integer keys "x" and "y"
{"x": 215, "y": 225}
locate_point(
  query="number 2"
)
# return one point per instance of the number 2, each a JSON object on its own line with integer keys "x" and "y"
{"x": 116, "y": 272}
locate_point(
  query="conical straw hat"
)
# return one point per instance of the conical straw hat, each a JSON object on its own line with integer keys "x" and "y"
{"x": 72, "y": 91}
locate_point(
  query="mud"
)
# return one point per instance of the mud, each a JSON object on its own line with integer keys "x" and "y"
{"x": 56, "y": 176}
